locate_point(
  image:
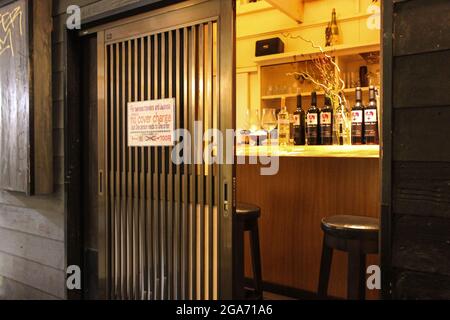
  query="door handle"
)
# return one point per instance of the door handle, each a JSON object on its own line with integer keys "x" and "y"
{"x": 226, "y": 202}
{"x": 100, "y": 182}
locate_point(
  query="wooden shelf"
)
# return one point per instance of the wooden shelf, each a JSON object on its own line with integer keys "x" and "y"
{"x": 309, "y": 52}
{"x": 308, "y": 94}
{"x": 370, "y": 152}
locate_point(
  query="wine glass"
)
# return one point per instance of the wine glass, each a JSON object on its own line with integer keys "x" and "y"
{"x": 254, "y": 120}
{"x": 269, "y": 121}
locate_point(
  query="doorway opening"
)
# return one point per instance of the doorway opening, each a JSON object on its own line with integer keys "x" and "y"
{"x": 292, "y": 55}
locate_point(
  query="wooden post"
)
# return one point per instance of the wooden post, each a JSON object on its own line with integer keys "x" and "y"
{"x": 42, "y": 89}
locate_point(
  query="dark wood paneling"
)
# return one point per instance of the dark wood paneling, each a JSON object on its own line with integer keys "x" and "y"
{"x": 72, "y": 160}
{"x": 421, "y": 27}
{"x": 421, "y": 286}
{"x": 422, "y": 80}
{"x": 293, "y": 203}
{"x": 422, "y": 244}
{"x": 422, "y": 189}
{"x": 421, "y": 134}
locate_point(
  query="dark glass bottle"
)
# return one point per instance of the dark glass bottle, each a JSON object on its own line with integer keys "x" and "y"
{"x": 371, "y": 119}
{"x": 299, "y": 124}
{"x": 312, "y": 122}
{"x": 326, "y": 123}
{"x": 358, "y": 119}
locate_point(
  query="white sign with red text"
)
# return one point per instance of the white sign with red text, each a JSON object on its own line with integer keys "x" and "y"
{"x": 151, "y": 123}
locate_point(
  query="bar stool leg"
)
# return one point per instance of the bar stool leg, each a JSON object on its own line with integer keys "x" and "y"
{"x": 238, "y": 261}
{"x": 325, "y": 269}
{"x": 256, "y": 260}
{"x": 356, "y": 287}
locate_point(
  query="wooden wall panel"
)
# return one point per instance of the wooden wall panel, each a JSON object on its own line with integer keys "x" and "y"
{"x": 421, "y": 167}
{"x": 420, "y": 286}
{"x": 421, "y": 134}
{"x": 33, "y": 248}
{"x": 421, "y": 27}
{"x": 422, "y": 80}
{"x": 13, "y": 290}
{"x": 15, "y": 98}
{"x": 422, "y": 189}
{"x": 35, "y": 275}
{"x": 45, "y": 223}
{"x": 422, "y": 244}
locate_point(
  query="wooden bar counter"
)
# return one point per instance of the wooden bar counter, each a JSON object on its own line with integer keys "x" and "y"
{"x": 312, "y": 183}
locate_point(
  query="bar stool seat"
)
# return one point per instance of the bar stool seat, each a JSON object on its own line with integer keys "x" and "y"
{"x": 351, "y": 227}
{"x": 358, "y": 236}
{"x": 246, "y": 219}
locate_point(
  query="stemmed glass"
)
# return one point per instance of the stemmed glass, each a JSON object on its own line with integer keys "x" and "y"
{"x": 269, "y": 122}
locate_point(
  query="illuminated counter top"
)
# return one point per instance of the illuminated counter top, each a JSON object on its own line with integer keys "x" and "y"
{"x": 370, "y": 152}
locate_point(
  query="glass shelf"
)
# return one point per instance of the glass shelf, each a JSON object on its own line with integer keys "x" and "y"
{"x": 308, "y": 94}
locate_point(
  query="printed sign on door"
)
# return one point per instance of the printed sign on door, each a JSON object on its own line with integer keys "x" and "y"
{"x": 151, "y": 123}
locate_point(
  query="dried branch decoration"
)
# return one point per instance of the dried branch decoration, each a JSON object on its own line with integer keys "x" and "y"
{"x": 329, "y": 73}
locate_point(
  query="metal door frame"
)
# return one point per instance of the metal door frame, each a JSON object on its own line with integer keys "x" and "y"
{"x": 185, "y": 14}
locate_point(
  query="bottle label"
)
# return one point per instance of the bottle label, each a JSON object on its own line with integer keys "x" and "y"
{"x": 370, "y": 116}
{"x": 313, "y": 135}
{"x": 357, "y": 116}
{"x": 283, "y": 122}
{"x": 313, "y": 119}
{"x": 339, "y": 118}
{"x": 296, "y": 120}
{"x": 325, "y": 118}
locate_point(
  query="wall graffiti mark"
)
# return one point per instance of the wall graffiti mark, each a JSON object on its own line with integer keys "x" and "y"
{"x": 7, "y": 26}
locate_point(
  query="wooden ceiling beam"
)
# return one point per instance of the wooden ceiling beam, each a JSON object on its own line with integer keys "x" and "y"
{"x": 292, "y": 8}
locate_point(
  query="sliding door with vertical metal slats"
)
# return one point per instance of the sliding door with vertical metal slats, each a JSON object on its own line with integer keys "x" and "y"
{"x": 166, "y": 228}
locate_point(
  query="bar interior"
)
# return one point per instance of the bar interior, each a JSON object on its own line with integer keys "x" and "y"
{"x": 308, "y": 92}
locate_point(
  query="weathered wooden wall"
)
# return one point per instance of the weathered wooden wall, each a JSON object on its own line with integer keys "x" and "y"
{"x": 32, "y": 229}
{"x": 420, "y": 149}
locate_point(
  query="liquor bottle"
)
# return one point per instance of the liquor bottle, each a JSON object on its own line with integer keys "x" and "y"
{"x": 328, "y": 35}
{"x": 299, "y": 124}
{"x": 326, "y": 123}
{"x": 283, "y": 125}
{"x": 334, "y": 29}
{"x": 358, "y": 119}
{"x": 340, "y": 118}
{"x": 312, "y": 122}
{"x": 371, "y": 119}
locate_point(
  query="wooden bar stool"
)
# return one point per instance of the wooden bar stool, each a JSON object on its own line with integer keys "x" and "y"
{"x": 246, "y": 219}
{"x": 358, "y": 236}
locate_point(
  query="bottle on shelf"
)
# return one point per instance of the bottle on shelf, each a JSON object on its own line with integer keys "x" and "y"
{"x": 342, "y": 133}
{"x": 299, "y": 124}
{"x": 332, "y": 31}
{"x": 371, "y": 133}
{"x": 312, "y": 122}
{"x": 283, "y": 125}
{"x": 326, "y": 123}
{"x": 328, "y": 35}
{"x": 358, "y": 119}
